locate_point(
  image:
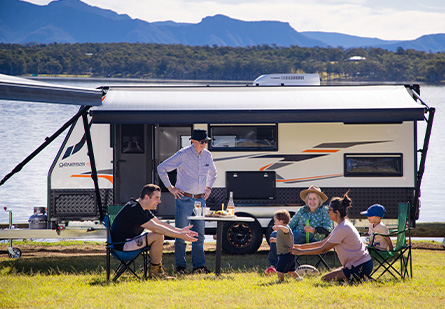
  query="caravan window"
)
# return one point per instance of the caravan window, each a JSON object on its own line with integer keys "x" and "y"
{"x": 243, "y": 137}
{"x": 377, "y": 165}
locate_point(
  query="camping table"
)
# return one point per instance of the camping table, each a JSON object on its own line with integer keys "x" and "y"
{"x": 219, "y": 229}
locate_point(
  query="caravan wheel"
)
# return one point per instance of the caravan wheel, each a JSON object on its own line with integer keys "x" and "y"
{"x": 241, "y": 237}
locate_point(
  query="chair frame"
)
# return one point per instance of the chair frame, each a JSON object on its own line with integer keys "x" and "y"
{"x": 126, "y": 258}
{"x": 402, "y": 250}
{"x": 321, "y": 260}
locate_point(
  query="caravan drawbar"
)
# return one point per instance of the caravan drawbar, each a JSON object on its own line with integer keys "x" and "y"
{"x": 268, "y": 143}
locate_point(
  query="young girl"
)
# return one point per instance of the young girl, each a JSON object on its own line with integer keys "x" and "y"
{"x": 352, "y": 253}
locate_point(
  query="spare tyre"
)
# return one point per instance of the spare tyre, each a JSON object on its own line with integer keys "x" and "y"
{"x": 241, "y": 237}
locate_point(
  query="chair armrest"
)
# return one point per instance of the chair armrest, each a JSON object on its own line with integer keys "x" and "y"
{"x": 322, "y": 230}
{"x": 392, "y": 233}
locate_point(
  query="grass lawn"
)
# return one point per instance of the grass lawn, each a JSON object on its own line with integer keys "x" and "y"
{"x": 77, "y": 280}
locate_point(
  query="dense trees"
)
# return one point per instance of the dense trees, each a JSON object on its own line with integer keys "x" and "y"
{"x": 219, "y": 63}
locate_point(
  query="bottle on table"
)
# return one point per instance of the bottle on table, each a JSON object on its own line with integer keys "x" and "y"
{"x": 231, "y": 205}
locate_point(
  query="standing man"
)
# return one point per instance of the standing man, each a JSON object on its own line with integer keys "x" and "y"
{"x": 196, "y": 174}
{"x": 136, "y": 216}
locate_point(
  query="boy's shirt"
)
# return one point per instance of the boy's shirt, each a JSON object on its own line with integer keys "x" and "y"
{"x": 285, "y": 241}
{"x": 379, "y": 241}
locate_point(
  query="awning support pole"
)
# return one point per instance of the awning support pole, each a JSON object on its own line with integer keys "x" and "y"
{"x": 431, "y": 110}
{"x": 93, "y": 165}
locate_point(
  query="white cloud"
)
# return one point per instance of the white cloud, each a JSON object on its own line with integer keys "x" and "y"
{"x": 391, "y": 20}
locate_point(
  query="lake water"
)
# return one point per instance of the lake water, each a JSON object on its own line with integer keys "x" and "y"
{"x": 24, "y": 126}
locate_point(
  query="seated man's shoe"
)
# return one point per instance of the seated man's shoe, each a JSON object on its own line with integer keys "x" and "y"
{"x": 201, "y": 270}
{"x": 158, "y": 272}
{"x": 180, "y": 270}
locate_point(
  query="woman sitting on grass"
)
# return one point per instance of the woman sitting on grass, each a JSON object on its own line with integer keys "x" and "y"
{"x": 354, "y": 257}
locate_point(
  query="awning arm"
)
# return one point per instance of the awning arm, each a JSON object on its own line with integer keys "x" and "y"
{"x": 48, "y": 141}
{"x": 416, "y": 205}
{"x": 93, "y": 165}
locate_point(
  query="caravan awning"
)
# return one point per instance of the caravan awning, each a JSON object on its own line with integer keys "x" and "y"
{"x": 22, "y": 89}
{"x": 250, "y": 104}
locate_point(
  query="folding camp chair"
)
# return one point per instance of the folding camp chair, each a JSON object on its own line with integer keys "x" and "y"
{"x": 126, "y": 258}
{"x": 402, "y": 251}
{"x": 319, "y": 257}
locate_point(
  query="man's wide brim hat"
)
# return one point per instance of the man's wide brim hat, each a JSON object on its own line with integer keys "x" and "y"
{"x": 200, "y": 135}
{"x": 313, "y": 189}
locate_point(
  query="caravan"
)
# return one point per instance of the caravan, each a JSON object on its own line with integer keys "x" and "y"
{"x": 268, "y": 143}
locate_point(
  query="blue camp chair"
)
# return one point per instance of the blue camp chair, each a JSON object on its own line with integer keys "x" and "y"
{"x": 126, "y": 258}
{"x": 385, "y": 260}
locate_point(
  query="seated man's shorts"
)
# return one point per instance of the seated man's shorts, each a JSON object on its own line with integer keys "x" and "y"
{"x": 135, "y": 243}
{"x": 286, "y": 263}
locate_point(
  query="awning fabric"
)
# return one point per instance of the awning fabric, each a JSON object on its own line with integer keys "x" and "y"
{"x": 22, "y": 89}
{"x": 250, "y": 104}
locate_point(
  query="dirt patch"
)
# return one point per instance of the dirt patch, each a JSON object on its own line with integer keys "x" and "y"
{"x": 424, "y": 245}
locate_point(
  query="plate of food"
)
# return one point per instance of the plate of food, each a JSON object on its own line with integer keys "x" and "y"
{"x": 221, "y": 213}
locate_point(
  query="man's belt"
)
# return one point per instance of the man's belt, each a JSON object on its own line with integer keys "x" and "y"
{"x": 193, "y": 195}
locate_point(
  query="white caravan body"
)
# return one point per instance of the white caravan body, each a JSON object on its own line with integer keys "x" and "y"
{"x": 268, "y": 143}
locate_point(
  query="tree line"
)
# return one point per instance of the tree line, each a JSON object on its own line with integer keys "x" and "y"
{"x": 137, "y": 60}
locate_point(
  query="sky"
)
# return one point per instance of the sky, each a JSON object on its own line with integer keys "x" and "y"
{"x": 383, "y": 19}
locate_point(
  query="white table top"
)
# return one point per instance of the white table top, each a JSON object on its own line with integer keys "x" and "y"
{"x": 239, "y": 219}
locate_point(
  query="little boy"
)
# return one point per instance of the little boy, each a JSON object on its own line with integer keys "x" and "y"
{"x": 285, "y": 241}
{"x": 375, "y": 214}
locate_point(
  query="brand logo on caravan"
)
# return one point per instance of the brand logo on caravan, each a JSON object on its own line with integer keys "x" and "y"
{"x": 72, "y": 164}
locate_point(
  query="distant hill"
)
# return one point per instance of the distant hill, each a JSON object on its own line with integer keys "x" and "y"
{"x": 335, "y": 39}
{"x": 73, "y": 21}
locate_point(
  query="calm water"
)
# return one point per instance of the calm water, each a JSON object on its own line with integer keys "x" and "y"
{"x": 24, "y": 126}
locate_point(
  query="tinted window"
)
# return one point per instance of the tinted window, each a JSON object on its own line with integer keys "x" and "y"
{"x": 367, "y": 165}
{"x": 243, "y": 137}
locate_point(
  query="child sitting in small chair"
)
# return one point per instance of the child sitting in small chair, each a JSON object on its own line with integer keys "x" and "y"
{"x": 285, "y": 241}
{"x": 375, "y": 214}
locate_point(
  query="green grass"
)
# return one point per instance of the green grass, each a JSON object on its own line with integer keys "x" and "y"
{"x": 79, "y": 282}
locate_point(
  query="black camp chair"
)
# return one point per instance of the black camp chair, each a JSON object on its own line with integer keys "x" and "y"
{"x": 126, "y": 258}
{"x": 402, "y": 251}
{"x": 320, "y": 258}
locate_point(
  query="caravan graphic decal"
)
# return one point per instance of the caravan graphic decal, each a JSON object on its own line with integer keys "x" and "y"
{"x": 312, "y": 153}
{"x": 105, "y": 174}
{"x": 75, "y": 148}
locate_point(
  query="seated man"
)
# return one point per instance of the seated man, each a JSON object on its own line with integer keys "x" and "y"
{"x": 136, "y": 216}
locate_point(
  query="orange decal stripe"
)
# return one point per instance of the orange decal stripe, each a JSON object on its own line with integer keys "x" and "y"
{"x": 309, "y": 178}
{"x": 107, "y": 177}
{"x": 321, "y": 150}
{"x": 264, "y": 167}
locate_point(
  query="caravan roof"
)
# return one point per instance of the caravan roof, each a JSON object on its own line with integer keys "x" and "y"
{"x": 235, "y": 104}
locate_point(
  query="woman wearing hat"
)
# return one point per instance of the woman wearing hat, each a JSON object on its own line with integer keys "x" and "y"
{"x": 311, "y": 223}
{"x": 351, "y": 251}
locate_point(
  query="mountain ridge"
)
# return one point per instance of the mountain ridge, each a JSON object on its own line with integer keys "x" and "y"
{"x": 73, "y": 21}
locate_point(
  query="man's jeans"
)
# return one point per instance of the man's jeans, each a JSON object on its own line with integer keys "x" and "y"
{"x": 299, "y": 238}
{"x": 184, "y": 209}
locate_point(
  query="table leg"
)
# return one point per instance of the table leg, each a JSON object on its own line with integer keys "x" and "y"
{"x": 219, "y": 231}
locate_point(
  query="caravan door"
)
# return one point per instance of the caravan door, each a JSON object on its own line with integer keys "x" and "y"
{"x": 133, "y": 167}
{"x": 139, "y": 148}
{"x": 168, "y": 140}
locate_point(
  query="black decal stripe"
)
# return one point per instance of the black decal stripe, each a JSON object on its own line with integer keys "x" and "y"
{"x": 346, "y": 144}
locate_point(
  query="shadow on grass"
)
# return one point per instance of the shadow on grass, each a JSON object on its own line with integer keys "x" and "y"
{"x": 90, "y": 264}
